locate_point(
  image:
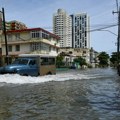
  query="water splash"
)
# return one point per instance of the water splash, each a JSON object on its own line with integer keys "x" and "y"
{"x": 17, "y": 79}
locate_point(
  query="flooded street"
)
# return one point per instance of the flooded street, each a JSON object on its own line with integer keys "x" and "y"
{"x": 92, "y": 94}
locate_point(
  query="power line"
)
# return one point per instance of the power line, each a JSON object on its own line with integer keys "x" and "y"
{"x": 94, "y": 30}
{"x": 98, "y": 29}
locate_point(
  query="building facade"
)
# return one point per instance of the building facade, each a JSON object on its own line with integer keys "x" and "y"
{"x": 30, "y": 41}
{"x": 77, "y": 52}
{"x": 80, "y": 31}
{"x": 62, "y": 26}
{"x": 15, "y": 25}
{"x": 72, "y": 29}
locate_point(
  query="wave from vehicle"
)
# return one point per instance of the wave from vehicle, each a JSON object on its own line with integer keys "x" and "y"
{"x": 17, "y": 79}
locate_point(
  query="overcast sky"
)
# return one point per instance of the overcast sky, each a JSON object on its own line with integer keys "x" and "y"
{"x": 39, "y": 13}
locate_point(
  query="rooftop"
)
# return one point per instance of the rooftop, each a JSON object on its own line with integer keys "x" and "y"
{"x": 33, "y": 29}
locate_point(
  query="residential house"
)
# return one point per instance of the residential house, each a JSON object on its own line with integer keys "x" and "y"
{"x": 30, "y": 41}
{"x": 72, "y": 53}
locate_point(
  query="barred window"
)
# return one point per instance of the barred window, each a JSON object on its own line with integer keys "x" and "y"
{"x": 10, "y": 48}
{"x": 35, "y": 34}
{"x": 17, "y": 48}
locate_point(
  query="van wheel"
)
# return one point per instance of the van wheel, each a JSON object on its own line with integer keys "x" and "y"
{"x": 49, "y": 73}
{"x": 15, "y": 71}
{"x": 25, "y": 74}
{"x": 37, "y": 74}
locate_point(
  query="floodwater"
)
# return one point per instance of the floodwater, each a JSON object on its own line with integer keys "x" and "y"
{"x": 92, "y": 94}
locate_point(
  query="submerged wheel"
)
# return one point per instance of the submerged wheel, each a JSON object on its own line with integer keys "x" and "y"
{"x": 37, "y": 74}
{"x": 49, "y": 73}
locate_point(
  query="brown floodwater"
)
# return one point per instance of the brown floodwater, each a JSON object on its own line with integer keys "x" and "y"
{"x": 94, "y": 96}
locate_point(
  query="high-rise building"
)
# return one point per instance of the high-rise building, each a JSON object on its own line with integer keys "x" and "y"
{"x": 80, "y": 30}
{"x": 62, "y": 26}
{"x": 73, "y": 30}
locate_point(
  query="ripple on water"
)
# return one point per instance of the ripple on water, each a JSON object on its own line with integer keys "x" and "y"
{"x": 76, "y": 95}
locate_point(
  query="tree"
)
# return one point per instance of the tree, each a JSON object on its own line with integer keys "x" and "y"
{"x": 81, "y": 61}
{"x": 103, "y": 59}
{"x": 113, "y": 58}
{"x": 59, "y": 61}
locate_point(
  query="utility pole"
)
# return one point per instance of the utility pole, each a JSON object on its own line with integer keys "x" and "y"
{"x": 118, "y": 39}
{"x": 4, "y": 30}
{"x": 118, "y": 45}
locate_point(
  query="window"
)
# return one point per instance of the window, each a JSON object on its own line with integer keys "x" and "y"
{"x": 32, "y": 62}
{"x": 85, "y": 24}
{"x": 10, "y": 48}
{"x": 45, "y": 47}
{"x": 21, "y": 61}
{"x": 9, "y": 37}
{"x": 86, "y": 43}
{"x": 51, "y": 61}
{"x": 84, "y": 52}
{"x": 82, "y": 20}
{"x": 17, "y": 48}
{"x": 70, "y": 52}
{"x": 44, "y": 61}
{"x": 17, "y": 36}
{"x": 75, "y": 28}
{"x": 35, "y": 34}
{"x": 80, "y": 36}
{"x": 45, "y": 35}
{"x": 85, "y": 33}
{"x": 47, "y": 61}
{"x": 75, "y": 19}
{"x": 80, "y": 27}
{"x": 35, "y": 46}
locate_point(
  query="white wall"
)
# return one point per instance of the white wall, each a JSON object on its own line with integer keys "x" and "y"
{"x": 24, "y": 48}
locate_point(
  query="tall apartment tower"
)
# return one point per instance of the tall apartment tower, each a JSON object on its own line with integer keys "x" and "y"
{"x": 62, "y": 26}
{"x": 80, "y": 31}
